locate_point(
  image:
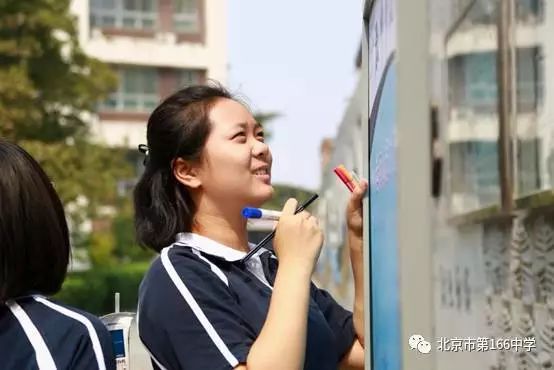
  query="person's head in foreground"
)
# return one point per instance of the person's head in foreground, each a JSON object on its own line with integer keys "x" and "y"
{"x": 34, "y": 255}
{"x": 34, "y": 239}
{"x": 207, "y": 159}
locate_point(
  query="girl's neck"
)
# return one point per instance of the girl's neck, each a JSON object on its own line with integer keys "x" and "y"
{"x": 225, "y": 228}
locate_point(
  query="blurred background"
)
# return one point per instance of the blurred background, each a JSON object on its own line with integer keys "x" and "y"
{"x": 79, "y": 78}
{"x": 492, "y": 106}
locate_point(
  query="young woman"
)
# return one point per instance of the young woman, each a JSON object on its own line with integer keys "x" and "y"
{"x": 200, "y": 305}
{"x": 36, "y": 332}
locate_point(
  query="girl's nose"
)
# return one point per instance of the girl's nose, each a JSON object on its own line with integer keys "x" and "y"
{"x": 260, "y": 149}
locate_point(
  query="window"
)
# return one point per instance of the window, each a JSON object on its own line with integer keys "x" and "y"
{"x": 475, "y": 96}
{"x": 473, "y": 100}
{"x": 186, "y": 17}
{"x": 483, "y": 12}
{"x": 528, "y": 165}
{"x": 480, "y": 80}
{"x": 190, "y": 77}
{"x": 529, "y": 79}
{"x": 125, "y": 14}
{"x": 529, "y": 11}
{"x": 476, "y": 13}
{"x": 473, "y": 82}
{"x": 137, "y": 91}
{"x": 531, "y": 116}
{"x": 474, "y": 174}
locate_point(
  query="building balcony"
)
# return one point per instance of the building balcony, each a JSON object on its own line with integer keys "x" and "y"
{"x": 483, "y": 38}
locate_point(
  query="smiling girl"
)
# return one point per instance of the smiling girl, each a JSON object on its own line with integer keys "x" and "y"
{"x": 200, "y": 305}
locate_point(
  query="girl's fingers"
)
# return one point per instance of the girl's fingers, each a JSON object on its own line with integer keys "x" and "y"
{"x": 359, "y": 190}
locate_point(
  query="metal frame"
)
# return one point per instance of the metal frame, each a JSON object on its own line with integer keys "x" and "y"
{"x": 365, "y": 150}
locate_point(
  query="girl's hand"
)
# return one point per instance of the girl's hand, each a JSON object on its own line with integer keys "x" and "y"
{"x": 298, "y": 238}
{"x": 354, "y": 210}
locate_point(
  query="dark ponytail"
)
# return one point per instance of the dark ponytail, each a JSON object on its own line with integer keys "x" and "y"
{"x": 178, "y": 128}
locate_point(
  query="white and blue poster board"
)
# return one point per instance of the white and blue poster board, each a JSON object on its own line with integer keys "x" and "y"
{"x": 386, "y": 344}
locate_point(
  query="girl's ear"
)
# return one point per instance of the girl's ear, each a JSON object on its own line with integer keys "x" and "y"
{"x": 186, "y": 173}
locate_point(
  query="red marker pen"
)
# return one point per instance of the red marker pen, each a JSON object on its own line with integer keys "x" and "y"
{"x": 345, "y": 176}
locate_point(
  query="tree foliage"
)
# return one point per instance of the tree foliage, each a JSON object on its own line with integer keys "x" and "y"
{"x": 48, "y": 89}
{"x": 123, "y": 229}
{"x": 47, "y": 82}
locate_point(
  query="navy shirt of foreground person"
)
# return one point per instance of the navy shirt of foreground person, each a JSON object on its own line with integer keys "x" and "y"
{"x": 199, "y": 308}
{"x": 36, "y": 333}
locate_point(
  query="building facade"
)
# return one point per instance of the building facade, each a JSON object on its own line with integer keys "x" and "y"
{"x": 489, "y": 203}
{"x": 155, "y": 47}
{"x": 493, "y": 90}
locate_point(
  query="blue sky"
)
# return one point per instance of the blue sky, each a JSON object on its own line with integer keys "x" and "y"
{"x": 295, "y": 58}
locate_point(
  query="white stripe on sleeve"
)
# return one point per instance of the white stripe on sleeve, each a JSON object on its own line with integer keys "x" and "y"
{"x": 196, "y": 308}
{"x": 83, "y": 320}
{"x": 43, "y": 355}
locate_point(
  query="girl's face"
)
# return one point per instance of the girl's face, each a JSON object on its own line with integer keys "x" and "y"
{"x": 237, "y": 162}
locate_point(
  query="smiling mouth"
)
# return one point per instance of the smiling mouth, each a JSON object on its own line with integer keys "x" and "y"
{"x": 261, "y": 172}
{"x": 263, "y": 175}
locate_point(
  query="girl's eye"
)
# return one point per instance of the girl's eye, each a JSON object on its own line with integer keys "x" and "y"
{"x": 239, "y": 134}
{"x": 261, "y": 136}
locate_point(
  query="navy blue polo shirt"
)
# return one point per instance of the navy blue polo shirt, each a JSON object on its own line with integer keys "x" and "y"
{"x": 37, "y": 333}
{"x": 200, "y": 308}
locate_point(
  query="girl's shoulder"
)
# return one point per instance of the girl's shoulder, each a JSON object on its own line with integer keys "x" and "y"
{"x": 175, "y": 256}
{"x": 50, "y": 325}
{"x": 177, "y": 265}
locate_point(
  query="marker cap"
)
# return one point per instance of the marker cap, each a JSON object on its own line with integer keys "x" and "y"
{"x": 250, "y": 212}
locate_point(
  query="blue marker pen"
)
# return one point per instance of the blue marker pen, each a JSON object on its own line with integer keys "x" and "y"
{"x": 260, "y": 213}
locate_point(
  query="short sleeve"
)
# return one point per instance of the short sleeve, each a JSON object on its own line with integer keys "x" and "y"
{"x": 189, "y": 318}
{"x": 338, "y": 318}
{"x": 106, "y": 343}
{"x": 85, "y": 356}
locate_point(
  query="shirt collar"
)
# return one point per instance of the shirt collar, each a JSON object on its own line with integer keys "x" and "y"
{"x": 211, "y": 247}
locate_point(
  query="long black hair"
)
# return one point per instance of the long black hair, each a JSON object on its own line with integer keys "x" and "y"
{"x": 178, "y": 128}
{"x": 34, "y": 238}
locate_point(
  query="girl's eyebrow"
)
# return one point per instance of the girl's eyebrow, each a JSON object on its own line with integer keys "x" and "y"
{"x": 245, "y": 124}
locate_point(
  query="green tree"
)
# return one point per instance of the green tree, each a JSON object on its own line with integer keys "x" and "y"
{"x": 48, "y": 89}
{"x": 123, "y": 229}
{"x": 47, "y": 82}
{"x": 102, "y": 245}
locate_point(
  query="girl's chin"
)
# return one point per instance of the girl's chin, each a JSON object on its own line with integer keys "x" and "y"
{"x": 262, "y": 196}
